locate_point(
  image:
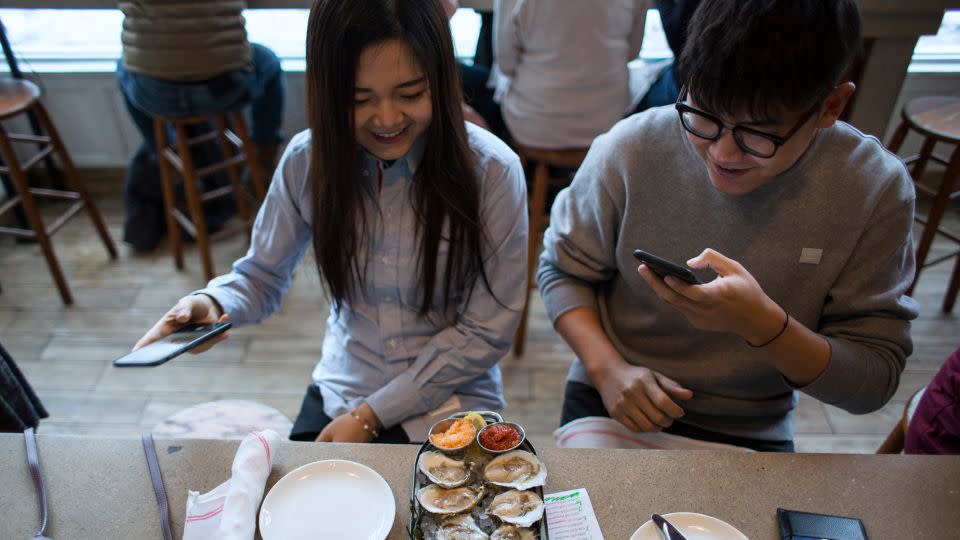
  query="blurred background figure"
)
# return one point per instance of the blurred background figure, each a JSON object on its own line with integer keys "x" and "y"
{"x": 183, "y": 58}
{"x": 674, "y": 17}
{"x": 564, "y": 67}
{"x": 478, "y": 106}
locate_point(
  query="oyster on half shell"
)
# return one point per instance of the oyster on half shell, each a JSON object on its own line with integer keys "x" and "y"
{"x": 461, "y": 527}
{"x": 439, "y": 500}
{"x": 518, "y": 469}
{"x": 520, "y": 508}
{"x": 442, "y": 470}
{"x": 512, "y": 532}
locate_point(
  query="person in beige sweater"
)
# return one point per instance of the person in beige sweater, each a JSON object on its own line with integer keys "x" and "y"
{"x": 183, "y": 58}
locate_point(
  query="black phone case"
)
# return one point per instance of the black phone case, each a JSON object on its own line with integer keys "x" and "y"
{"x": 662, "y": 267}
{"x": 219, "y": 329}
{"x": 797, "y": 525}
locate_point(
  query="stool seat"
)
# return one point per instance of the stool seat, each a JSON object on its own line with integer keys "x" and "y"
{"x": 935, "y": 117}
{"x": 16, "y": 96}
{"x": 570, "y": 158}
{"x": 225, "y": 419}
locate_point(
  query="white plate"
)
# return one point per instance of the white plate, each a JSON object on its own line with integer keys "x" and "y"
{"x": 694, "y": 526}
{"x": 328, "y": 499}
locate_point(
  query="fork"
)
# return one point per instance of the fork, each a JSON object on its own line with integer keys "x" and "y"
{"x": 33, "y": 458}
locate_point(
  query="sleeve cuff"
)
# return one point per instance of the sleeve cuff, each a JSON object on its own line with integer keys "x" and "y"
{"x": 833, "y": 386}
{"x": 396, "y": 401}
{"x": 563, "y": 297}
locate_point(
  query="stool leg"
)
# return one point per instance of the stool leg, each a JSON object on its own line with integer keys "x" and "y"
{"x": 193, "y": 200}
{"x": 541, "y": 180}
{"x": 256, "y": 173}
{"x": 952, "y": 289}
{"x": 73, "y": 177}
{"x": 233, "y": 171}
{"x": 921, "y": 165}
{"x": 898, "y": 136}
{"x": 947, "y": 184}
{"x": 166, "y": 184}
{"x": 22, "y": 186}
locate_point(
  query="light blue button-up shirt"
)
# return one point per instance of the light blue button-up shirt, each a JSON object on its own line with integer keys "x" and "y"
{"x": 411, "y": 370}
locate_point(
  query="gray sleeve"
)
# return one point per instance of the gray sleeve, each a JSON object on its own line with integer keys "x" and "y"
{"x": 579, "y": 246}
{"x": 866, "y": 318}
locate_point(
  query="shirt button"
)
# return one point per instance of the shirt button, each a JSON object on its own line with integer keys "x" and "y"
{"x": 392, "y": 343}
{"x": 385, "y": 260}
{"x": 366, "y": 173}
{"x": 387, "y": 298}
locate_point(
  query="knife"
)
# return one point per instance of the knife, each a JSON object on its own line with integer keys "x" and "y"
{"x": 666, "y": 528}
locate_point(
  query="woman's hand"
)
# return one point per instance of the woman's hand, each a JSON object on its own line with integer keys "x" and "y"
{"x": 734, "y": 302}
{"x": 346, "y": 428}
{"x": 196, "y": 309}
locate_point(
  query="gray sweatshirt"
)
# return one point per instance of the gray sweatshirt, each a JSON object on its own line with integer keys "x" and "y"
{"x": 829, "y": 240}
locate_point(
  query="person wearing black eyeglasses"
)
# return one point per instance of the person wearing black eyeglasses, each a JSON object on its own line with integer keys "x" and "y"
{"x": 797, "y": 225}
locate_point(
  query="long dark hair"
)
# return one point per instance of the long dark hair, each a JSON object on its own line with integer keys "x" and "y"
{"x": 445, "y": 188}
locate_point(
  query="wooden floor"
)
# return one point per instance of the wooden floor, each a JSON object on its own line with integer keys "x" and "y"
{"x": 66, "y": 353}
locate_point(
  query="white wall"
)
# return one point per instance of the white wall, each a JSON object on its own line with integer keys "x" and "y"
{"x": 89, "y": 112}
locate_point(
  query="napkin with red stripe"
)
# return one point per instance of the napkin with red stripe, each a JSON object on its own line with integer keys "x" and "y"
{"x": 229, "y": 511}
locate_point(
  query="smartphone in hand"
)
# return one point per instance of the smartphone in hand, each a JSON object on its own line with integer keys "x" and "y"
{"x": 663, "y": 267}
{"x": 172, "y": 345}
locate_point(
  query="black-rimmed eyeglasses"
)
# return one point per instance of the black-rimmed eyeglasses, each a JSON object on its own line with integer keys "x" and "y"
{"x": 756, "y": 143}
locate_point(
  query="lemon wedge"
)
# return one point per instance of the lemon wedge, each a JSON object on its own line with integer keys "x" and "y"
{"x": 476, "y": 420}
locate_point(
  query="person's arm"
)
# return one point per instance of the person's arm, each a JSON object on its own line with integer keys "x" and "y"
{"x": 255, "y": 287}
{"x": 280, "y": 236}
{"x": 855, "y": 358}
{"x": 507, "y": 39}
{"x": 580, "y": 255}
{"x": 486, "y": 323}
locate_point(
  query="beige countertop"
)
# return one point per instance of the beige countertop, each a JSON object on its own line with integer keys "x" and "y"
{"x": 99, "y": 488}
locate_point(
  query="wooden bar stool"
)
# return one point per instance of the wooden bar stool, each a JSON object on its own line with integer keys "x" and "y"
{"x": 237, "y": 150}
{"x": 937, "y": 119}
{"x": 539, "y": 213}
{"x": 18, "y": 96}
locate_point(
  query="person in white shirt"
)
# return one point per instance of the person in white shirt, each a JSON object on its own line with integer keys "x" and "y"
{"x": 565, "y": 63}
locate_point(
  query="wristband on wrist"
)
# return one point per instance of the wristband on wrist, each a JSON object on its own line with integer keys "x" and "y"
{"x": 366, "y": 425}
{"x": 786, "y": 322}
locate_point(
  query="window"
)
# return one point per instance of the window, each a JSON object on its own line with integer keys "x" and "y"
{"x": 48, "y": 40}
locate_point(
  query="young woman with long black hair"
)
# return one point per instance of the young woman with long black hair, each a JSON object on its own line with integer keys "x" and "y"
{"x": 418, "y": 222}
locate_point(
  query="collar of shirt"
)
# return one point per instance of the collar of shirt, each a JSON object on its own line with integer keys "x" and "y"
{"x": 406, "y": 166}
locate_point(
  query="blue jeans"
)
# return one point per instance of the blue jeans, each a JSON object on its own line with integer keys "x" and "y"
{"x": 664, "y": 91}
{"x": 145, "y": 96}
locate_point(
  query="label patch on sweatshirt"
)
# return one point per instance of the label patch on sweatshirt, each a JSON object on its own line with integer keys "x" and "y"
{"x": 810, "y": 255}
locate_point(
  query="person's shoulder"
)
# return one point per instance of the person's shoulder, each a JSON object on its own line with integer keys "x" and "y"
{"x": 492, "y": 154}
{"x": 863, "y": 157}
{"x": 299, "y": 144}
{"x": 654, "y": 131}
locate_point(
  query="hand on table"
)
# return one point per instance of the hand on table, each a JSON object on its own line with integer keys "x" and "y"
{"x": 734, "y": 302}
{"x": 639, "y": 398}
{"x": 195, "y": 309}
{"x": 346, "y": 428}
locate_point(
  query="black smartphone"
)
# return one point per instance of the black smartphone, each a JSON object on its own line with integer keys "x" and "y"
{"x": 172, "y": 345}
{"x": 663, "y": 267}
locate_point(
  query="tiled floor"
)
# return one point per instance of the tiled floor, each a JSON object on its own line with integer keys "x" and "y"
{"x": 66, "y": 352}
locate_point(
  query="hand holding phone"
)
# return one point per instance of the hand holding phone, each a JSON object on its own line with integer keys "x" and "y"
{"x": 663, "y": 267}
{"x": 172, "y": 345}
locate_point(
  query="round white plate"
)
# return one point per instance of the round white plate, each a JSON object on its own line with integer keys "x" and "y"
{"x": 694, "y": 526}
{"x": 328, "y": 499}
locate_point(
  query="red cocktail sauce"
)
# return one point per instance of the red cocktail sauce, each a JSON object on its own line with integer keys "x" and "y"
{"x": 500, "y": 437}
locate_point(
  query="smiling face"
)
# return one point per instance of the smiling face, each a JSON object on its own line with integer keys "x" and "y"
{"x": 734, "y": 171}
{"x": 392, "y": 105}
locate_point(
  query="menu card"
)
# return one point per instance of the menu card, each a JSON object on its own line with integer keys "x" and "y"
{"x": 570, "y": 516}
